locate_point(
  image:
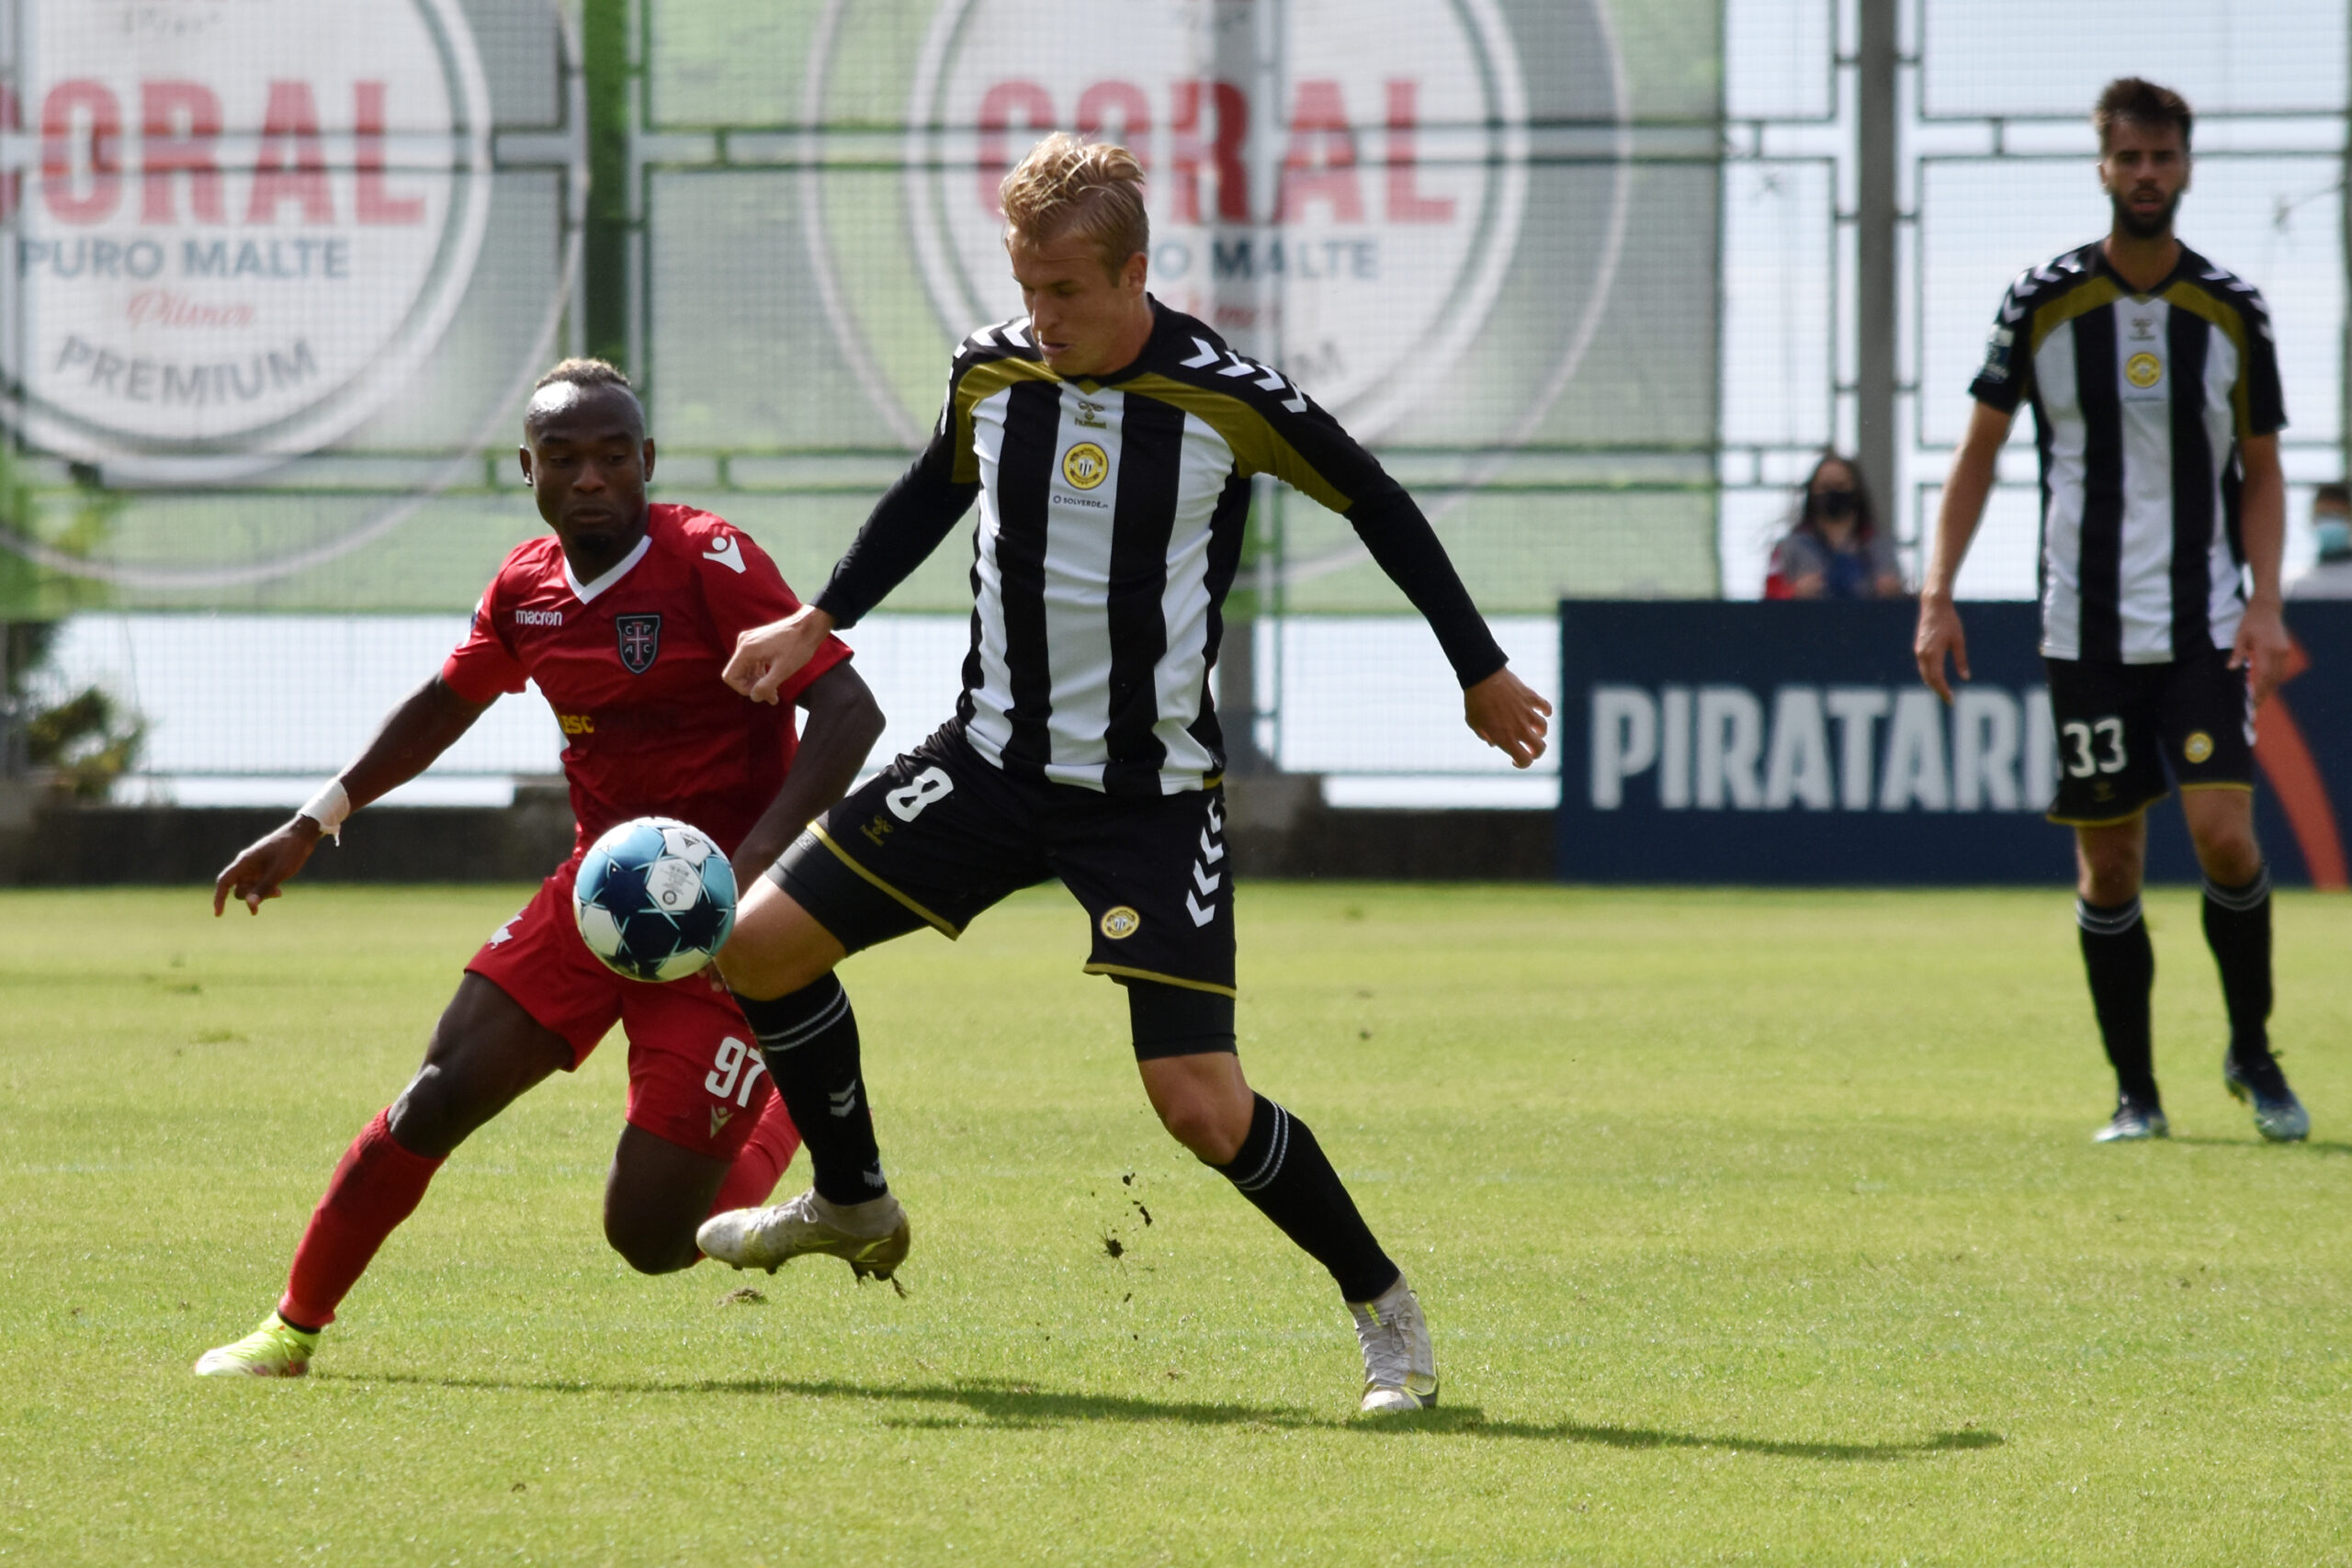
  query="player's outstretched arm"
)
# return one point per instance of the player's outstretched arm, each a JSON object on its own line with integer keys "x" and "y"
{"x": 1508, "y": 715}
{"x": 1939, "y": 635}
{"x": 2262, "y": 646}
{"x": 425, "y": 724}
{"x": 845, "y": 721}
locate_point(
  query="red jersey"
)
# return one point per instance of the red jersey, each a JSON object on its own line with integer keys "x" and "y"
{"x": 630, "y": 664}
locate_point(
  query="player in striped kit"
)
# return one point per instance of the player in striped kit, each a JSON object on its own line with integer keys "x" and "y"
{"x": 1110, "y": 443}
{"x": 2154, "y": 386}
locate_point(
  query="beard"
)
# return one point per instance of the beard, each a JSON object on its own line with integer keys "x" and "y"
{"x": 2154, "y": 227}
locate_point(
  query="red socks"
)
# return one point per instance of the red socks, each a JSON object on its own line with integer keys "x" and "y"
{"x": 751, "y": 1179}
{"x": 376, "y": 1186}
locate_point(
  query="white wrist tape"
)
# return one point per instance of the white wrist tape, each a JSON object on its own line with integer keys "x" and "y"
{"x": 328, "y": 808}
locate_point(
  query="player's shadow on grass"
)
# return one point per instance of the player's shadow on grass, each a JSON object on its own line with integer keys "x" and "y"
{"x": 2312, "y": 1145}
{"x": 1470, "y": 1421}
{"x": 1001, "y": 1404}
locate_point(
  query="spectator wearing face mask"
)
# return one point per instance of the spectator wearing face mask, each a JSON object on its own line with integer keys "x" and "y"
{"x": 2332, "y": 524}
{"x": 1837, "y": 550}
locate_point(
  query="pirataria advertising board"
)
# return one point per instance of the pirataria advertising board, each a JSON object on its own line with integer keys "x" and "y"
{"x": 1794, "y": 743}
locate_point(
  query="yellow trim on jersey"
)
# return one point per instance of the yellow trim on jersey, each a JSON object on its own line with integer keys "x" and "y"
{"x": 2186, "y": 295}
{"x": 2216, "y": 783}
{"x": 2099, "y": 291}
{"x": 950, "y": 932}
{"x": 978, "y": 385}
{"x": 1258, "y": 447}
{"x": 1155, "y": 975}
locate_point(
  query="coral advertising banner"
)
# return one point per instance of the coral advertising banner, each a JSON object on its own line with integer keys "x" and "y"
{"x": 248, "y": 225}
{"x": 281, "y": 272}
{"x": 1793, "y": 743}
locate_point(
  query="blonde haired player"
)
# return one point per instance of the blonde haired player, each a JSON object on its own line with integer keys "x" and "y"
{"x": 1109, "y": 442}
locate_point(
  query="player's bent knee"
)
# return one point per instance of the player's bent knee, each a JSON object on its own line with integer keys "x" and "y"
{"x": 485, "y": 1052}
{"x": 431, "y": 1118}
{"x": 777, "y": 947}
{"x": 655, "y": 1195}
{"x": 764, "y": 976}
{"x": 1205, "y": 1129}
{"x": 1184, "y": 1050}
{"x": 2110, "y": 866}
{"x": 2109, "y": 884}
{"x": 2226, "y": 849}
{"x": 2230, "y": 861}
{"x": 652, "y": 1250}
{"x": 441, "y": 1108}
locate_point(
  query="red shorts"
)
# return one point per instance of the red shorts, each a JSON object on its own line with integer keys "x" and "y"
{"x": 695, "y": 1077}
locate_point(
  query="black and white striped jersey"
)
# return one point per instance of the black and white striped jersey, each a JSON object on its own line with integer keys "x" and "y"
{"x": 1110, "y": 528}
{"x": 2140, "y": 401}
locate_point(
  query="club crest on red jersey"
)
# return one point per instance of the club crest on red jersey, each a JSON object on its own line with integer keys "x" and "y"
{"x": 641, "y": 641}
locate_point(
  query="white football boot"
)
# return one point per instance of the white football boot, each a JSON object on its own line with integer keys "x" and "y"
{"x": 2134, "y": 1122}
{"x": 275, "y": 1349}
{"x": 871, "y": 1237}
{"x": 1400, "y": 1364}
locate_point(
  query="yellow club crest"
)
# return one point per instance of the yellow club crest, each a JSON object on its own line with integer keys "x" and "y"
{"x": 1119, "y": 922}
{"x": 1086, "y": 466}
{"x": 2143, "y": 370}
{"x": 2198, "y": 746}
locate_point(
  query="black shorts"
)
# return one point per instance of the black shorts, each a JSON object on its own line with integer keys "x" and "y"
{"x": 942, "y": 833}
{"x": 2121, "y": 726}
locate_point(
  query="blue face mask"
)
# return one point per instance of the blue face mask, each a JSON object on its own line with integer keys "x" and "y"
{"x": 2334, "y": 538}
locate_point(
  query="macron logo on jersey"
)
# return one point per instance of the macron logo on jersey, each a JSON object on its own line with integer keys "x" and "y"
{"x": 727, "y": 553}
{"x": 539, "y": 617}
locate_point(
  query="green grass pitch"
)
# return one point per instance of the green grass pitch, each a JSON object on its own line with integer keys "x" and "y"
{"x": 1754, "y": 1228}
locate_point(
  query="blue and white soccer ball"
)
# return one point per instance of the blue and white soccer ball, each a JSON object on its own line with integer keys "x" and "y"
{"x": 655, "y": 898}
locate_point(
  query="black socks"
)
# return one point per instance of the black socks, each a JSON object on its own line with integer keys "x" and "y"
{"x": 1282, "y": 1169}
{"x": 809, "y": 1040}
{"x": 2122, "y": 968}
{"x": 2237, "y": 928}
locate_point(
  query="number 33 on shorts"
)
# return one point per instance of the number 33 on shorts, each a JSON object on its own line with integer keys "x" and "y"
{"x": 2093, "y": 748}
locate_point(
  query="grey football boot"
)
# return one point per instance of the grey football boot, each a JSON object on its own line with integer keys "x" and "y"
{"x": 871, "y": 1237}
{"x": 1400, "y": 1364}
{"x": 2278, "y": 1114}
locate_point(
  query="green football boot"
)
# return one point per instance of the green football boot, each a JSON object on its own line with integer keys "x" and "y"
{"x": 275, "y": 1349}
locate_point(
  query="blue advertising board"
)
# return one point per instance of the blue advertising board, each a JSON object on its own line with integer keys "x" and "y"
{"x": 1793, "y": 743}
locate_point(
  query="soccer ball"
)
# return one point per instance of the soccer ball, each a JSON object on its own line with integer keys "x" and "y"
{"x": 655, "y": 898}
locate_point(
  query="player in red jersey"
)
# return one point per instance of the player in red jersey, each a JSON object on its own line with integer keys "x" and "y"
{"x": 624, "y": 618}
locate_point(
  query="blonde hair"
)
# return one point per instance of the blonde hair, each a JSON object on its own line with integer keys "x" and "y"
{"x": 1067, "y": 185}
